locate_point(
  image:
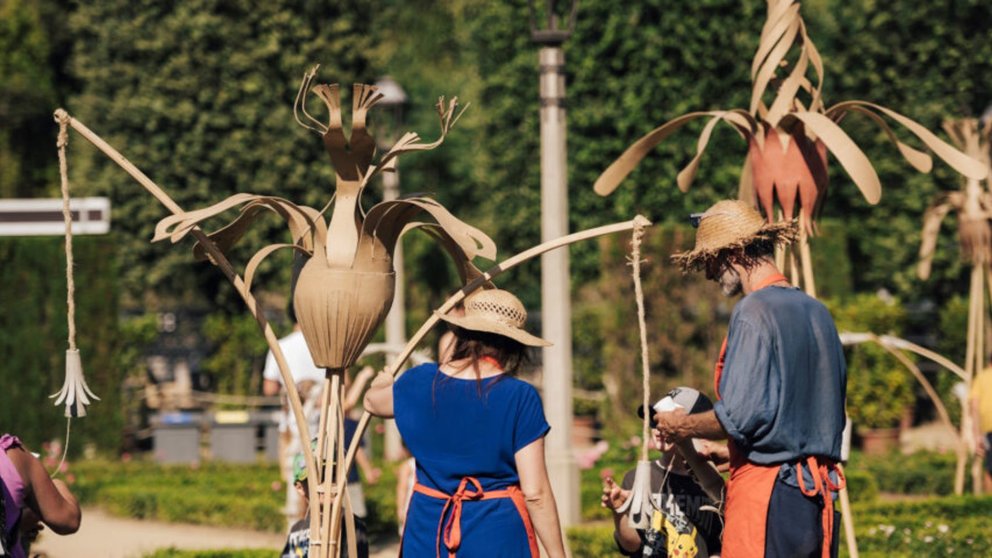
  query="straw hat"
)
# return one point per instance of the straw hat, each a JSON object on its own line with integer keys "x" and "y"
{"x": 728, "y": 225}
{"x": 495, "y": 311}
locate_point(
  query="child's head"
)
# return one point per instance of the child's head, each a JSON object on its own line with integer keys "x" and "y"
{"x": 300, "y": 476}
{"x": 692, "y": 400}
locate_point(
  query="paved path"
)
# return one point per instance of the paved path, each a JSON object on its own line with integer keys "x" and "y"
{"x": 105, "y": 536}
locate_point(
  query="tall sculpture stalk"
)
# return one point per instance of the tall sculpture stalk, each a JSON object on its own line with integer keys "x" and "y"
{"x": 973, "y": 207}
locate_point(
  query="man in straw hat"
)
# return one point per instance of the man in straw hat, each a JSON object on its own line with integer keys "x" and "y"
{"x": 781, "y": 382}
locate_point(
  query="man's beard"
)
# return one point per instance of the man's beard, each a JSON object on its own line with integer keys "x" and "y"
{"x": 730, "y": 282}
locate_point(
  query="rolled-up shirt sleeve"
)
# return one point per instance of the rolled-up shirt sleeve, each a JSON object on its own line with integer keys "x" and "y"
{"x": 749, "y": 385}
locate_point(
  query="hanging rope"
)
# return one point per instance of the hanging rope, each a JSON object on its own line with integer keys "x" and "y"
{"x": 70, "y": 285}
{"x": 74, "y": 393}
{"x": 635, "y": 262}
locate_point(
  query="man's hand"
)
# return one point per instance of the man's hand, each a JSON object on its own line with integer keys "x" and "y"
{"x": 981, "y": 445}
{"x": 613, "y": 495}
{"x": 673, "y": 425}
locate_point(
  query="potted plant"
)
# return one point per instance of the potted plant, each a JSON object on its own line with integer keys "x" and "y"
{"x": 879, "y": 388}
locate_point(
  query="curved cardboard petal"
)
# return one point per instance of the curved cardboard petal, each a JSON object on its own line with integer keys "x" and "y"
{"x": 848, "y": 154}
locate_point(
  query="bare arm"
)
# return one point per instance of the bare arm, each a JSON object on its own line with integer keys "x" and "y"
{"x": 49, "y": 499}
{"x": 357, "y": 387}
{"x": 613, "y": 497}
{"x": 371, "y": 473}
{"x": 379, "y": 397}
{"x": 541, "y": 505}
{"x": 677, "y": 425}
{"x": 270, "y": 387}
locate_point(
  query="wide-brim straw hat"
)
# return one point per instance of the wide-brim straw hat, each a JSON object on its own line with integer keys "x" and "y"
{"x": 729, "y": 225}
{"x": 496, "y": 311}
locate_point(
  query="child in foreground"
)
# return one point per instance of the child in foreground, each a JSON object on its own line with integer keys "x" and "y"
{"x": 685, "y": 522}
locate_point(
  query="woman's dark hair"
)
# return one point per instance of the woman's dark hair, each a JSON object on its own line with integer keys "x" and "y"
{"x": 474, "y": 345}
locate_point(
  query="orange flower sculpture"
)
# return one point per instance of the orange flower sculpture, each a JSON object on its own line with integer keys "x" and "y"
{"x": 346, "y": 287}
{"x": 788, "y": 140}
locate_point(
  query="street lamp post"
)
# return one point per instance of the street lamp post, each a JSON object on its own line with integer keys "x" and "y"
{"x": 556, "y": 312}
{"x": 393, "y": 100}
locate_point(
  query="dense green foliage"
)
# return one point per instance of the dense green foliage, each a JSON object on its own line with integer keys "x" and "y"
{"x": 236, "y": 341}
{"x": 199, "y": 94}
{"x": 32, "y": 44}
{"x": 879, "y": 388}
{"x": 34, "y": 332}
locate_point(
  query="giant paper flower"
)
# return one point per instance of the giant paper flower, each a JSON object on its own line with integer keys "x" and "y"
{"x": 973, "y": 203}
{"x": 345, "y": 288}
{"x": 789, "y": 140}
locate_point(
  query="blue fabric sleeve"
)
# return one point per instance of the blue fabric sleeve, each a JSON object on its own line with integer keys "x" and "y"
{"x": 530, "y": 421}
{"x": 749, "y": 385}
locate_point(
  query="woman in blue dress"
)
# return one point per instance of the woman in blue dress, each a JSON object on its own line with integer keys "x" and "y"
{"x": 477, "y": 435}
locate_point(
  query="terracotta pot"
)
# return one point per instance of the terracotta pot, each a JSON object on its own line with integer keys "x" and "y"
{"x": 879, "y": 441}
{"x": 339, "y": 310}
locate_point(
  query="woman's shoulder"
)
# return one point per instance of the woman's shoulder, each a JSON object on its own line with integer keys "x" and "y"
{"x": 418, "y": 373}
{"x": 519, "y": 388}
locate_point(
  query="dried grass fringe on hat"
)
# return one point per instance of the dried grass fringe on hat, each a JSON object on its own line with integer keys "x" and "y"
{"x": 732, "y": 225}
{"x": 496, "y": 311}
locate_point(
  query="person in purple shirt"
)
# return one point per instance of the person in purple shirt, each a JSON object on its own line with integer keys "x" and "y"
{"x": 477, "y": 434}
{"x": 30, "y": 498}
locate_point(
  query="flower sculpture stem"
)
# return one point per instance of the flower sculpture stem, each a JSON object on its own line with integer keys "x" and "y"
{"x": 973, "y": 208}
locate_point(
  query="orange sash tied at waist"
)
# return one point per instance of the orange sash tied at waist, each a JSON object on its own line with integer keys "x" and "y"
{"x": 823, "y": 485}
{"x": 449, "y": 525}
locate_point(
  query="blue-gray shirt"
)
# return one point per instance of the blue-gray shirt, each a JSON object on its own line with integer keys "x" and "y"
{"x": 784, "y": 380}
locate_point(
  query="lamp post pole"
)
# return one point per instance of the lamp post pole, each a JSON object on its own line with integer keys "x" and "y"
{"x": 556, "y": 310}
{"x": 393, "y": 98}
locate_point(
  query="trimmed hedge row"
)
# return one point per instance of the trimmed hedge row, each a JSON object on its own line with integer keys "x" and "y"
{"x": 946, "y": 526}
{"x": 248, "y": 496}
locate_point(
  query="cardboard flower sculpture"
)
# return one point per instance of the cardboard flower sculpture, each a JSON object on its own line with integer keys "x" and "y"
{"x": 973, "y": 206}
{"x": 790, "y": 138}
{"x": 344, "y": 290}
{"x": 345, "y": 287}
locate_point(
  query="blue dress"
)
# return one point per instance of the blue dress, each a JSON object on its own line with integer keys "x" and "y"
{"x": 457, "y": 428}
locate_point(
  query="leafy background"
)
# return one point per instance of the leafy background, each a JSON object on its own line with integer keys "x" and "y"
{"x": 199, "y": 93}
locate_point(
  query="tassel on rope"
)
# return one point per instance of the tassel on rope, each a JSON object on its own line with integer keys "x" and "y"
{"x": 74, "y": 393}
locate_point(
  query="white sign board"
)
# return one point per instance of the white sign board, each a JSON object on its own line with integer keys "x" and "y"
{"x": 43, "y": 217}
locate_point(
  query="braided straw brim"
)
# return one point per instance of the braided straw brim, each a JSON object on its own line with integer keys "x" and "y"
{"x": 729, "y": 226}
{"x": 496, "y": 311}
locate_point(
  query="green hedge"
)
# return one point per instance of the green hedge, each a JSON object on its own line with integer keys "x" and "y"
{"x": 592, "y": 541}
{"x": 249, "y": 496}
{"x": 947, "y": 526}
{"x": 211, "y": 494}
{"x": 33, "y": 343}
{"x": 924, "y": 473}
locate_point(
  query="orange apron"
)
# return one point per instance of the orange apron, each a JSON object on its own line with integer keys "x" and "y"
{"x": 450, "y": 531}
{"x": 749, "y": 490}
